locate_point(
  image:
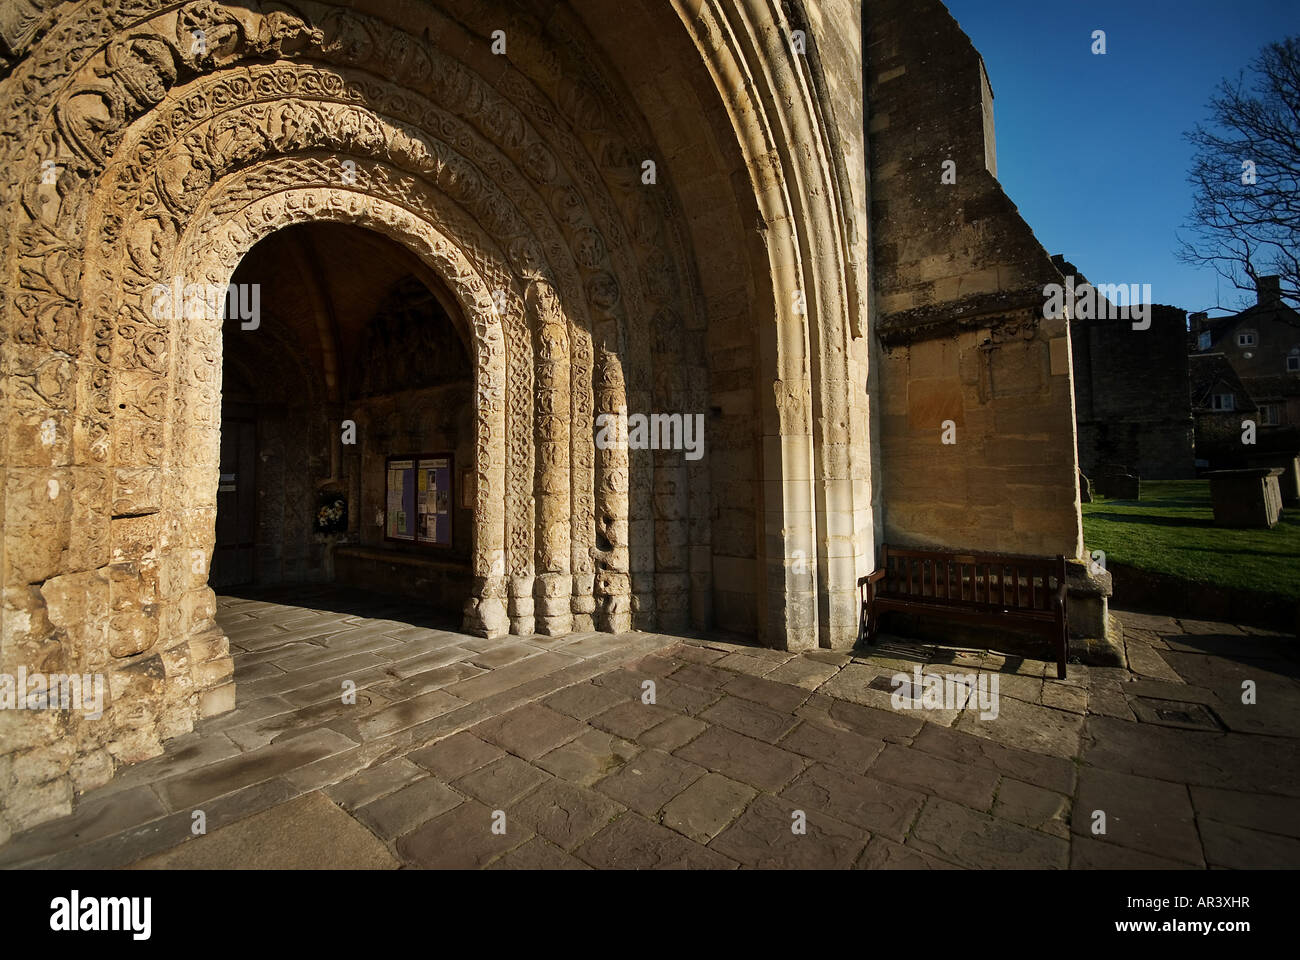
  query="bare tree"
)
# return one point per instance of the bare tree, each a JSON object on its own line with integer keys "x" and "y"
{"x": 1245, "y": 219}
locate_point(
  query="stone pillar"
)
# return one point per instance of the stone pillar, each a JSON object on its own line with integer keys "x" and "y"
{"x": 554, "y": 584}
{"x": 520, "y": 502}
{"x": 582, "y": 478}
{"x": 485, "y": 609}
{"x": 612, "y": 584}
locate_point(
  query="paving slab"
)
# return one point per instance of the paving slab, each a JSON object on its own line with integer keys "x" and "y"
{"x": 1148, "y": 815}
{"x": 649, "y": 781}
{"x": 456, "y": 755}
{"x": 1232, "y": 761}
{"x": 403, "y": 810}
{"x": 501, "y": 782}
{"x": 634, "y": 843}
{"x": 890, "y": 725}
{"x": 564, "y": 813}
{"x": 1051, "y": 773}
{"x": 749, "y": 718}
{"x": 1258, "y": 811}
{"x": 743, "y": 758}
{"x": 676, "y": 731}
{"x": 879, "y": 807}
{"x": 1088, "y": 853}
{"x": 882, "y": 854}
{"x": 537, "y": 854}
{"x": 630, "y": 718}
{"x": 374, "y": 782}
{"x": 406, "y": 713}
{"x": 1241, "y": 848}
{"x": 832, "y": 745}
{"x": 772, "y": 834}
{"x": 582, "y": 701}
{"x": 427, "y": 681}
{"x": 309, "y": 833}
{"x": 1032, "y": 806}
{"x": 187, "y": 790}
{"x": 965, "y": 837}
{"x": 461, "y": 839}
{"x": 965, "y": 783}
{"x": 529, "y": 731}
{"x": 1028, "y": 726}
{"x": 804, "y": 671}
{"x": 589, "y": 757}
{"x": 707, "y": 806}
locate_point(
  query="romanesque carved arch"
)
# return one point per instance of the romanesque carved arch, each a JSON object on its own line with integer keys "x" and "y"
{"x": 134, "y": 76}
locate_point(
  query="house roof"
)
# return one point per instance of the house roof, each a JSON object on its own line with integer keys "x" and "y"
{"x": 1219, "y": 327}
{"x": 1281, "y": 385}
{"x": 1206, "y": 371}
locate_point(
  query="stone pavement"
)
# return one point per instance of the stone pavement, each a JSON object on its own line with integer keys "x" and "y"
{"x": 546, "y": 753}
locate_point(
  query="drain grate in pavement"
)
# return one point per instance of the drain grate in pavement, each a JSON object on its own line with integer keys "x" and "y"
{"x": 1174, "y": 713}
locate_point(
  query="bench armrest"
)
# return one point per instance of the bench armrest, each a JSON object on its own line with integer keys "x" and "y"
{"x": 1061, "y": 592}
{"x": 872, "y": 577}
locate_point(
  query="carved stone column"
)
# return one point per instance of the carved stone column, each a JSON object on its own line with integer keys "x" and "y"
{"x": 553, "y": 585}
{"x": 613, "y": 585}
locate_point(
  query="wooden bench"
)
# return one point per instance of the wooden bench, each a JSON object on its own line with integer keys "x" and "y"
{"x": 984, "y": 588}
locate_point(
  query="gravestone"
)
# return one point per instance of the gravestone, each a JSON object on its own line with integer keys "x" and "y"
{"x": 1246, "y": 498}
{"x": 1116, "y": 483}
{"x": 1289, "y": 481}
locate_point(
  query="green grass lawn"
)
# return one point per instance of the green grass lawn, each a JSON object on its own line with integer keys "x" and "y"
{"x": 1171, "y": 530}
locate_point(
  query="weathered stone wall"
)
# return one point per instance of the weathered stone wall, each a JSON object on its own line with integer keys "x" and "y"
{"x": 959, "y": 281}
{"x": 1132, "y": 396}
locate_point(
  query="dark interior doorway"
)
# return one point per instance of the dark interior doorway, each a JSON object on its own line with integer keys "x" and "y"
{"x": 358, "y": 360}
{"x": 232, "y": 559}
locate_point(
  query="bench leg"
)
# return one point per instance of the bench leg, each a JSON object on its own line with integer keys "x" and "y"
{"x": 1062, "y": 650}
{"x": 874, "y": 626}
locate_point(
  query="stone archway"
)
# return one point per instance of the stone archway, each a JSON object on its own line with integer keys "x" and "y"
{"x": 144, "y": 140}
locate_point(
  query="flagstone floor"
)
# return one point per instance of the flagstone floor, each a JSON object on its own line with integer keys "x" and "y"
{"x": 652, "y": 751}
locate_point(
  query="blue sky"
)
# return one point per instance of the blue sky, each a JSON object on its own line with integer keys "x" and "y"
{"x": 1090, "y": 148}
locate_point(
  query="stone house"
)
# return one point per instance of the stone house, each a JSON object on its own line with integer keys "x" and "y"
{"x": 1220, "y": 404}
{"x": 459, "y": 239}
{"x": 1261, "y": 344}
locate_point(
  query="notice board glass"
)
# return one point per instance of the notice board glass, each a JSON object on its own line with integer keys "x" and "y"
{"x": 418, "y": 499}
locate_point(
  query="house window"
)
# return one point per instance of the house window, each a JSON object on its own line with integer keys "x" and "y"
{"x": 1246, "y": 338}
{"x": 1293, "y": 362}
{"x": 1223, "y": 401}
{"x": 1203, "y": 342}
{"x": 418, "y": 499}
{"x": 1268, "y": 415}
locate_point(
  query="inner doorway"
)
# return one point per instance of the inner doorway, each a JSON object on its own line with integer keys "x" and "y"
{"x": 348, "y": 421}
{"x": 232, "y": 558}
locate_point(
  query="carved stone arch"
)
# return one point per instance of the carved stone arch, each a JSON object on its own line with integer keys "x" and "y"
{"x": 353, "y": 39}
{"x": 158, "y": 156}
{"x": 218, "y": 253}
{"x": 581, "y": 400}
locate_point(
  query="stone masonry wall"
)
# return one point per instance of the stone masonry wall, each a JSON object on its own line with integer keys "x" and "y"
{"x": 959, "y": 279}
{"x": 1132, "y": 396}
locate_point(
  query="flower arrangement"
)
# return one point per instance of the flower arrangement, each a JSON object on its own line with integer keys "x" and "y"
{"x": 331, "y": 513}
